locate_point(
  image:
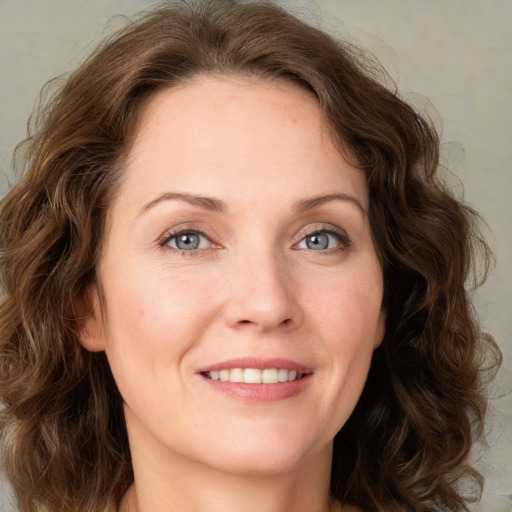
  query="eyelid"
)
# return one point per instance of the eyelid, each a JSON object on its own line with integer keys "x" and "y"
{"x": 175, "y": 232}
{"x": 345, "y": 241}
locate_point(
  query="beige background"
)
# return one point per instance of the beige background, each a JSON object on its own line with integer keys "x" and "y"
{"x": 458, "y": 53}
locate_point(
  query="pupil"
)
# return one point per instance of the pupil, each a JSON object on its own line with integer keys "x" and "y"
{"x": 188, "y": 241}
{"x": 317, "y": 242}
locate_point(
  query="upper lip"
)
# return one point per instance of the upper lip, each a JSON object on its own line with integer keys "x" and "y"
{"x": 256, "y": 362}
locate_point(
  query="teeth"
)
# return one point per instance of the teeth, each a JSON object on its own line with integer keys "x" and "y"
{"x": 252, "y": 375}
{"x": 236, "y": 375}
{"x": 255, "y": 375}
{"x": 269, "y": 376}
{"x": 282, "y": 375}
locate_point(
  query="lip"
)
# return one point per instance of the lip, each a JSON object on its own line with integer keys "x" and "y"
{"x": 256, "y": 362}
{"x": 261, "y": 393}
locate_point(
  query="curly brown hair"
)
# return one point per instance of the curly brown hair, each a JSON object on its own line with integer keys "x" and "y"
{"x": 406, "y": 446}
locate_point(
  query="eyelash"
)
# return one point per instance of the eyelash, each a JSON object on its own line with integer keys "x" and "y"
{"x": 183, "y": 231}
{"x": 343, "y": 238}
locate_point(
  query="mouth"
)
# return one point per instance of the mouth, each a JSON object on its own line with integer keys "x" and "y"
{"x": 257, "y": 380}
{"x": 256, "y": 375}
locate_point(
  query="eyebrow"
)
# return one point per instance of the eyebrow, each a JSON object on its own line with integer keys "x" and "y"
{"x": 207, "y": 203}
{"x": 315, "y": 202}
{"x": 216, "y": 205}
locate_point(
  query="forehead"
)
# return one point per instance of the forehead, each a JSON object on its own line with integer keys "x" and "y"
{"x": 213, "y": 135}
{"x": 209, "y": 107}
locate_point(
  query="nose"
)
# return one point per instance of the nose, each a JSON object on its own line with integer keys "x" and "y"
{"x": 262, "y": 294}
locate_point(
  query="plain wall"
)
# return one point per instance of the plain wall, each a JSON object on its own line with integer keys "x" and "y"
{"x": 457, "y": 53}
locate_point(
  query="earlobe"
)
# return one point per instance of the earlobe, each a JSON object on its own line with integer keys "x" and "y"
{"x": 90, "y": 330}
{"x": 380, "y": 331}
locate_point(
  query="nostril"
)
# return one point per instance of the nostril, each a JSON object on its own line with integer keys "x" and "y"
{"x": 285, "y": 323}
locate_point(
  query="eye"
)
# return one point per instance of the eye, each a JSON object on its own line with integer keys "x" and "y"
{"x": 323, "y": 240}
{"x": 187, "y": 241}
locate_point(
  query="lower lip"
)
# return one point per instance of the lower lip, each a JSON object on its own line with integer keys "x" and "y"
{"x": 260, "y": 392}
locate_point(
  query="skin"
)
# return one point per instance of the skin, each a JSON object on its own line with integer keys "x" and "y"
{"x": 254, "y": 287}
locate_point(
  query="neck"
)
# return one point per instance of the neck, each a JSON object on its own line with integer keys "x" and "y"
{"x": 167, "y": 482}
{"x": 235, "y": 498}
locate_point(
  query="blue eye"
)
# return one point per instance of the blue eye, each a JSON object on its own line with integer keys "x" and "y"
{"x": 187, "y": 241}
{"x": 321, "y": 241}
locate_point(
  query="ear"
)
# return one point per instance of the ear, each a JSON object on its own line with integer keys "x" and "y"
{"x": 380, "y": 329}
{"x": 91, "y": 333}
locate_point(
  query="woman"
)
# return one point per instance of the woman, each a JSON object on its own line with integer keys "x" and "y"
{"x": 233, "y": 280}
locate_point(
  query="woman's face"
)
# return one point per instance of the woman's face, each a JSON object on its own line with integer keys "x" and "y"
{"x": 238, "y": 247}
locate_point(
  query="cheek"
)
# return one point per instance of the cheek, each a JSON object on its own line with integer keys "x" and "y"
{"x": 153, "y": 318}
{"x": 351, "y": 322}
{"x": 152, "y": 324}
{"x": 350, "y": 307}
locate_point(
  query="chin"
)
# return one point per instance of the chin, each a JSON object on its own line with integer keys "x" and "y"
{"x": 262, "y": 465}
{"x": 266, "y": 453}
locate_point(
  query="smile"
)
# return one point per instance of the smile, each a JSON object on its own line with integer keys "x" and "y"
{"x": 255, "y": 375}
{"x": 254, "y": 379}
